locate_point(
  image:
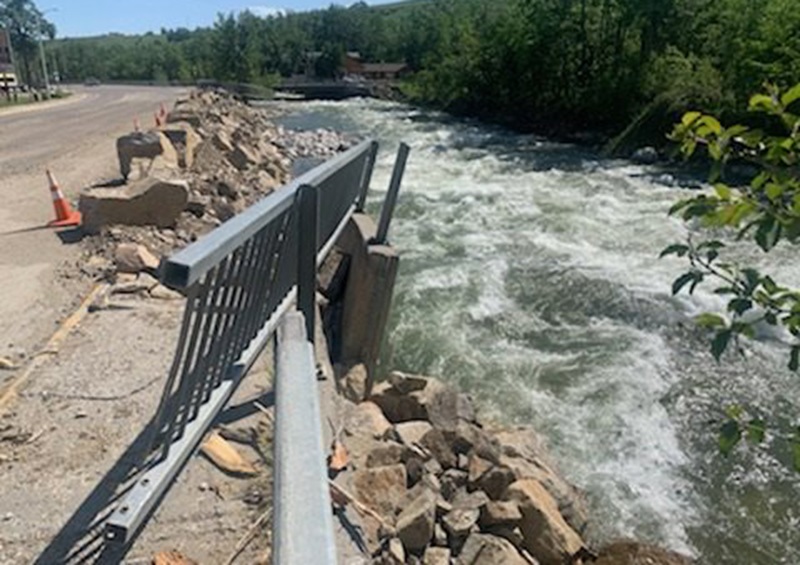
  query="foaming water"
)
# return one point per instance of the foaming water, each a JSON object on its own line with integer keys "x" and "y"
{"x": 529, "y": 277}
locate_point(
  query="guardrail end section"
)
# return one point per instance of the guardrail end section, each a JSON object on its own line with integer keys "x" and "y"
{"x": 303, "y": 525}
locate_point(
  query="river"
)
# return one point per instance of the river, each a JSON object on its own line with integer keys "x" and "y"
{"x": 530, "y": 278}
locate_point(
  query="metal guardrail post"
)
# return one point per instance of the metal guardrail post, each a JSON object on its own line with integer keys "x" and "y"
{"x": 308, "y": 227}
{"x": 391, "y": 196}
{"x": 303, "y": 525}
{"x": 367, "y": 177}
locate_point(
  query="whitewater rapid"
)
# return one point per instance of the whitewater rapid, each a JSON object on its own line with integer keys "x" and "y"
{"x": 530, "y": 278}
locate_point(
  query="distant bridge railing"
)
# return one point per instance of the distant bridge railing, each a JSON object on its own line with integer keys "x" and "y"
{"x": 239, "y": 281}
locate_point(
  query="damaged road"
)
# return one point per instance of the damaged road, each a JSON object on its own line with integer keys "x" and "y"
{"x": 76, "y": 141}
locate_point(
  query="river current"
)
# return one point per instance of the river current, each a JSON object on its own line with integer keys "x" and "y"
{"x": 530, "y": 278}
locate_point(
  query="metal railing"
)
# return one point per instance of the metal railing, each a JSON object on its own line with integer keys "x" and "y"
{"x": 239, "y": 281}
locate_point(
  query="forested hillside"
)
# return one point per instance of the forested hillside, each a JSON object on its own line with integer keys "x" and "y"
{"x": 547, "y": 65}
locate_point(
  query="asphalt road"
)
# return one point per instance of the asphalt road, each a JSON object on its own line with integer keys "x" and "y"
{"x": 75, "y": 138}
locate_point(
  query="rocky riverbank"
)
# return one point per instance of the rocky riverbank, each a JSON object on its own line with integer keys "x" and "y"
{"x": 438, "y": 486}
{"x": 208, "y": 159}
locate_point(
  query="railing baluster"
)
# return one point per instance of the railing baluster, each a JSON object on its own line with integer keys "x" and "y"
{"x": 308, "y": 226}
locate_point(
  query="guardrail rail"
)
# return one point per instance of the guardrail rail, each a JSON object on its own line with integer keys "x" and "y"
{"x": 239, "y": 281}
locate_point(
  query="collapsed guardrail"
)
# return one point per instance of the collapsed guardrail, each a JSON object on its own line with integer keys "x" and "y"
{"x": 239, "y": 281}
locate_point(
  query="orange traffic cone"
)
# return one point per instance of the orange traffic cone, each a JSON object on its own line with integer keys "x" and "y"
{"x": 65, "y": 215}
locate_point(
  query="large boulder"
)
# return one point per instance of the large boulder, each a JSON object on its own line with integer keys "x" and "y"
{"x": 415, "y": 523}
{"x": 381, "y": 488}
{"x": 436, "y": 556}
{"x": 485, "y": 549}
{"x": 185, "y": 140}
{"x": 142, "y": 167}
{"x": 547, "y": 536}
{"x": 571, "y": 502}
{"x": 185, "y": 113}
{"x": 147, "y": 202}
{"x": 413, "y": 397}
{"x": 144, "y": 145}
{"x": 366, "y": 418}
{"x": 525, "y": 453}
{"x": 243, "y": 157}
{"x": 459, "y": 521}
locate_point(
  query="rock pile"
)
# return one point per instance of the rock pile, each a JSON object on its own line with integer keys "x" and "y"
{"x": 213, "y": 157}
{"x": 451, "y": 490}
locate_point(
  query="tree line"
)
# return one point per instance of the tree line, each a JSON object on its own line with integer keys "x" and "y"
{"x": 544, "y": 65}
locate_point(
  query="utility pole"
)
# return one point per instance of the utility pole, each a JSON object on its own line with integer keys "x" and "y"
{"x": 44, "y": 60}
{"x": 44, "y": 69}
{"x": 41, "y": 51}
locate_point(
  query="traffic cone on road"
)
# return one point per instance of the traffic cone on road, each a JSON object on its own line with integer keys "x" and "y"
{"x": 65, "y": 215}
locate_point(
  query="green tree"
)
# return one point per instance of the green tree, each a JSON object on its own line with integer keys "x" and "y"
{"x": 26, "y": 24}
{"x": 764, "y": 211}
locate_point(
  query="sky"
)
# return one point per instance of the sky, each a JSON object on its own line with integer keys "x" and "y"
{"x": 77, "y": 18}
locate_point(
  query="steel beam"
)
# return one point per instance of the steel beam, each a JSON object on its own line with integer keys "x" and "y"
{"x": 391, "y": 197}
{"x": 303, "y": 524}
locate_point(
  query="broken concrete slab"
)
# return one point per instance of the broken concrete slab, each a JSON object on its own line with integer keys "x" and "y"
{"x": 185, "y": 140}
{"x": 150, "y": 201}
{"x": 144, "y": 145}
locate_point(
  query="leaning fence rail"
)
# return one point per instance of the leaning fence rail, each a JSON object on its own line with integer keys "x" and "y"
{"x": 239, "y": 280}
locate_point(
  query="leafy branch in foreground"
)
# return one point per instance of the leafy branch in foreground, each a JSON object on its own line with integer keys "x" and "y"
{"x": 766, "y": 211}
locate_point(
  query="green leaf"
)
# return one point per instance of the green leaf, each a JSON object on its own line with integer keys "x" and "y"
{"x": 677, "y": 207}
{"x": 761, "y": 102}
{"x": 760, "y": 180}
{"x": 690, "y": 117}
{"x": 740, "y": 305}
{"x": 791, "y": 95}
{"x": 729, "y": 436}
{"x": 768, "y": 233}
{"x": 708, "y": 320}
{"x": 712, "y": 123}
{"x": 773, "y": 191}
{"x": 712, "y": 244}
{"x": 724, "y": 290}
{"x": 734, "y": 131}
{"x": 723, "y": 191}
{"x": 682, "y": 281}
{"x": 794, "y": 358}
{"x": 769, "y": 285}
{"x": 678, "y": 249}
{"x": 720, "y": 343}
{"x": 744, "y": 328}
{"x": 698, "y": 278}
{"x": 752, "y": 278}
{"x": 756, "y": 430}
